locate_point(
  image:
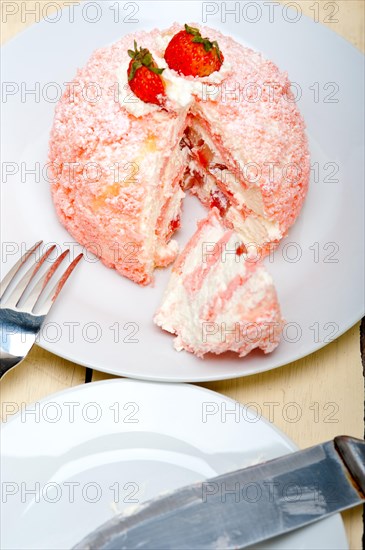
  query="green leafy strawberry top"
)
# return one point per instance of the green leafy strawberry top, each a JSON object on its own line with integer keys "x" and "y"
{"x": 208, "y": 45}
{"x": 142, "y": 58}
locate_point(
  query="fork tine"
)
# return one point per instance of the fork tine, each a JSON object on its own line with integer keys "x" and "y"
{"x": 58, "y": 286}
{"x": 20, "y": 288}
{"x": 32, "y": 300}
{"x": 14, "y": 270}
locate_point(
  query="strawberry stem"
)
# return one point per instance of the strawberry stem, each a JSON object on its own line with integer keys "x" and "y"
{"x": 142, "y": 57}
{"x": 208, "y": 45}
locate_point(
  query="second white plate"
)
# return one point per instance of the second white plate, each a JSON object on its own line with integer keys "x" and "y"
{"x": 78, "y": 457}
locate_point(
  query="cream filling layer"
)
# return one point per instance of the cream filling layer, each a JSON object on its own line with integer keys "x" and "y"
{"x": 250, "y": 197}
{"x": 258, "y": 226}
{"x": 164, "y": 173}
{"x": 253, "y": 228}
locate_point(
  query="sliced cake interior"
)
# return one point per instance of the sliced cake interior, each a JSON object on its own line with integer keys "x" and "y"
{"x": 219, "y": 298}
{"x": 218, "y": 181}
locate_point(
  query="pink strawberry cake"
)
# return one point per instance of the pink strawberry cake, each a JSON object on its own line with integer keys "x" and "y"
{"x": 218, "y": 299}
{"x": 132, "y": 135}
{"x": 120, "y": 166}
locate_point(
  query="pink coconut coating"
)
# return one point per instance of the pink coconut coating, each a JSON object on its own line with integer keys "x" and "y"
{"x": 105, "y": 211}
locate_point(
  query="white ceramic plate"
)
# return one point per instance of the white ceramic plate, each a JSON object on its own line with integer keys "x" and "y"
{"x": 105, "y": 321}
{"x": 126, "y": 442}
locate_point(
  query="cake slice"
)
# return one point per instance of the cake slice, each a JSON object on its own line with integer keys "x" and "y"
{"x": 219, "y": 299}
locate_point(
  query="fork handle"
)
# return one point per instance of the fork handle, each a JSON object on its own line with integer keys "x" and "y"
{"x": 7, "y": 362}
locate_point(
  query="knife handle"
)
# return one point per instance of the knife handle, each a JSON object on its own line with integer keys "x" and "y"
{"x": 352, "y": 453}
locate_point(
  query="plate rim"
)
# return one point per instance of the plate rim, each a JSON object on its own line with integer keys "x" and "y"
{"x": 84, "y": 387}
{"x": 205, "y": 378}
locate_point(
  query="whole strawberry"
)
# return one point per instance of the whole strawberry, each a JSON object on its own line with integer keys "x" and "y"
{"x": 190, "y": 54}
{"x": 144, "y": 77}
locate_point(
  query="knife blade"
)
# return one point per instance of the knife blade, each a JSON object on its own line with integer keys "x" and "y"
{"x": 247, "y": 506}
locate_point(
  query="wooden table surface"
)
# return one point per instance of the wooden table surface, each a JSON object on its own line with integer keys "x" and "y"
{"x": 328, "y": 385}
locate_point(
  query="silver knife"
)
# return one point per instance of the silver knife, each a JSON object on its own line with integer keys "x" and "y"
{"x": 244, "y": 507}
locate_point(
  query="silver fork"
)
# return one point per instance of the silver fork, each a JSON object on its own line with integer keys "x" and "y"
{"x": 19, "y": 325}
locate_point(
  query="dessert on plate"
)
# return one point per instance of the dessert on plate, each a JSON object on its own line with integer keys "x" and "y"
{"x": 151, "y": 117}
{"x": 219, "y": 299}
{"x": 163, "y": 113}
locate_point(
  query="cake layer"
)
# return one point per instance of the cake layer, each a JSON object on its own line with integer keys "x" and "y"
{"x": 219, "y": 299}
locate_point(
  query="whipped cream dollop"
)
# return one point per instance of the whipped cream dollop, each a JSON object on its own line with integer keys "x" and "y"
{"x": 180, "y": 90}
